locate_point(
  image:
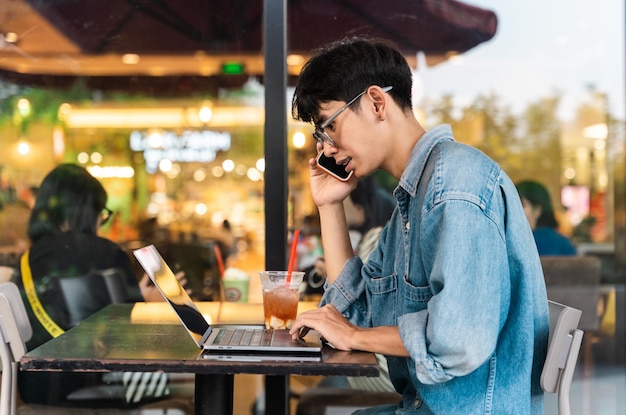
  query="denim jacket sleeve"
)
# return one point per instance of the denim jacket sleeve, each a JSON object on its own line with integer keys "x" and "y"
{"x": 458, "y": 330}
{"x": 347, "y": 294}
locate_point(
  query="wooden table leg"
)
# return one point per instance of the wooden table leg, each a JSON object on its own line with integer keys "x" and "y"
{"x": 214, "y": 394}
{"x": 277, "y": 395}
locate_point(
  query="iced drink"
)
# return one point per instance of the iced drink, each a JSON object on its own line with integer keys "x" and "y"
{"x": 280, "y": 298}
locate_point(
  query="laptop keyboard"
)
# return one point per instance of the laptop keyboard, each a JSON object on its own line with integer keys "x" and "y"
{"x": 243, "y": 337}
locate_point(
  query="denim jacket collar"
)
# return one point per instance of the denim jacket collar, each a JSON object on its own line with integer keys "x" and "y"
{"x": 419, "y": 156}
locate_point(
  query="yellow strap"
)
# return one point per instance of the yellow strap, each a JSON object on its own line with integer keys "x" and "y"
{"x": 43, "y": 317}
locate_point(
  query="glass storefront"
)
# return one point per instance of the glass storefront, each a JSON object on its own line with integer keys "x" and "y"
{"x": 167, "y": 104}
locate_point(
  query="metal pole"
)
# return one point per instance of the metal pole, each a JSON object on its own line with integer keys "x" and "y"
{"x": 276, "y": 188}
{"x": 275, "y": 133}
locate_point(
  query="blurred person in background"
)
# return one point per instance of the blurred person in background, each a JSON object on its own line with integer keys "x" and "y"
{"x": 538, "y": 208}
{"x": 367, "y": 209}
{"x": 70, "y": 207}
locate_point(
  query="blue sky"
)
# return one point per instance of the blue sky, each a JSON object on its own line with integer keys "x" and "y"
{"x": 540, "y": 47}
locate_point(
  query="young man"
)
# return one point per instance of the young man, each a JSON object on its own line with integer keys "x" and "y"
{"x": 454, "y": 294}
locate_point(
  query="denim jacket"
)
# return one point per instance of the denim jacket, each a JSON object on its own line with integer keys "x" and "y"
{"x": 457, "y": 270}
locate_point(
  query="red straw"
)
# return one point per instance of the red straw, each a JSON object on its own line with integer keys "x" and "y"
{"x": 220, "y": 261}
{"x": 292, "y": 256}
{"x": 220, "y": 265}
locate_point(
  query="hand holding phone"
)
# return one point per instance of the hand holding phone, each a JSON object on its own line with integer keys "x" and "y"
{"x": 329, "y": 165}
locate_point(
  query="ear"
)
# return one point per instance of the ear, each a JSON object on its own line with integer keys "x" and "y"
{"x": 378, "y": 98}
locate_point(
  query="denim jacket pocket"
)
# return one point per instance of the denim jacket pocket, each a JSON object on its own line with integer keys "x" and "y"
{"x": 383, "y": 285}
{"x": 415, "y": 298}
{"x": 382, "y": 297}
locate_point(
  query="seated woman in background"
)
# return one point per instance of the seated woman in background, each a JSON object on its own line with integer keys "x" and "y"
{"x": 540, "y": 214}
{"x": 63, "y": 228}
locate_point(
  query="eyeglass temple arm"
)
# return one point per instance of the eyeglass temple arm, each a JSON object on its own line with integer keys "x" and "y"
{"x": 342, "y": 109}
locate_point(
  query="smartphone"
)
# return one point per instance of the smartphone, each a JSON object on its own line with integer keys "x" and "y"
{"x": 329, "y": 166}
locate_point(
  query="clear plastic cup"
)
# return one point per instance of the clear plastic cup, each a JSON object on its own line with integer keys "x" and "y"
{"x": 280, "y": 299}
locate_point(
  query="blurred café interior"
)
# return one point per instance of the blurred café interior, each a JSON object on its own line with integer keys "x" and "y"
{"x": 182, "y": 110}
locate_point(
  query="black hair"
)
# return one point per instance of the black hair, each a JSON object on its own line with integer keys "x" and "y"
{"x": 68, "y": 200}
{"x": 537, "y": 195}
{"x": 343, "y": 69}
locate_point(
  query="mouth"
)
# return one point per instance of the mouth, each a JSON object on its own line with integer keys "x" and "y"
{"x": 345, "y": 162}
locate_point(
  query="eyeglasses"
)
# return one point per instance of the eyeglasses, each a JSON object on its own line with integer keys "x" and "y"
{"x": 322, "y": 136}
{"x": 105, "y": 216}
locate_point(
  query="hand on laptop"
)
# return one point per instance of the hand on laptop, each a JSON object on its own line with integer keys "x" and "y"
{"x": 151, "y": 293}
{"x": 333, "y": 327}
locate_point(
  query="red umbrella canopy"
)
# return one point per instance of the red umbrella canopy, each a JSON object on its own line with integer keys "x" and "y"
{"x": 235, "y": 26}
{"x": 432, "y": 26}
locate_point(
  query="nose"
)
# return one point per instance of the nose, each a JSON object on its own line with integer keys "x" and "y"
{"x": 329, "y": 149}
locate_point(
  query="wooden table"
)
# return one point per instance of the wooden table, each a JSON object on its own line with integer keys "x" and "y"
{"x": 146, "y": 337}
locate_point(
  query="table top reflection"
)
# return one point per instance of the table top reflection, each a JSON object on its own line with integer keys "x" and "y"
{"x": 146, "y": 336}
{"x": 149, "y": 337}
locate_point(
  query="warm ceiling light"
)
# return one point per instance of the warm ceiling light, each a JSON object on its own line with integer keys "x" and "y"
{"x": 11, "y": 37}
{"x": 130, "y": 58}
{"x": 295, "y": 60}
{"x": 96, "y": 157}
{"x": 298, "y": 139}
{"x": 23, "y": 107}
{"x": 156, "y": 71}
{"x": 260, "y": 164}
{"x": 205, "y": 114}
{"x": 23, "y": 147}
{"x": 228, "y": 165}
{"x": 64, "y": 109}
{"x": 107, "y": 116}
{"x": 82, "y": 157}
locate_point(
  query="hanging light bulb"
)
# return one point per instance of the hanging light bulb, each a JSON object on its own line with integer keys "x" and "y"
{"x": 23, "y": 147}
{"x": 205, "y": 114}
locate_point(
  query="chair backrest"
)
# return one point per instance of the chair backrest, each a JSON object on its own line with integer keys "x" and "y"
{"x": 84, "y": 295}
{"x": 14, "y": 319}
{"x": 15, "y": 330}
{"x": 571, "y": 270}
{"x": 116, "y": 285}
{"x": 563, "y": 348}
{"x": 575, "y": 281}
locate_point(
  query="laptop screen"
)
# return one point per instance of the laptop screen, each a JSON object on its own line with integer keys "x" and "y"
{"x": 174, "y": 293}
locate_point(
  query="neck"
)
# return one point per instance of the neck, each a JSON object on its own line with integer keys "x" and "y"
{"x": 407, "y": 137}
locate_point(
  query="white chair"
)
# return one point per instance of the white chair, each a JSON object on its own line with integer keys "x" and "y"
{"x": 563, "y": 348}
{"x": 15, "y": 330}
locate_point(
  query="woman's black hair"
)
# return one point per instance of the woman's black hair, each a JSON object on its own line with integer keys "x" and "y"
{"x": 376, "y": 203}
{"x": 537, "y": 195}
{"x": 69, "y": 199}
{"x": 343, "y": 69}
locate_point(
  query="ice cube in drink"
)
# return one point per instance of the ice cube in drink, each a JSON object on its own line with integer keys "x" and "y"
{"x": 281, "y": 292}
{"x": 280, "y": 306}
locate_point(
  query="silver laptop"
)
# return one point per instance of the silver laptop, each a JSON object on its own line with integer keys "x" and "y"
{"x": 234, "y": 339}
